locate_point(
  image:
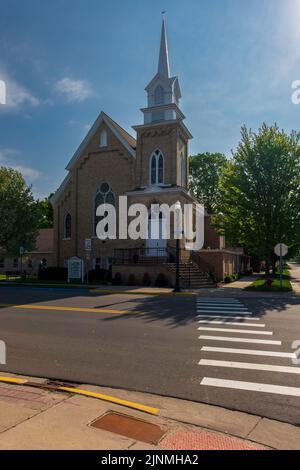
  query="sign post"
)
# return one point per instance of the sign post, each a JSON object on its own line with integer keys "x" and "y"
{"x": 281, "y": 250}
{"x": 21, "y": 251}
{"x": 88, "y": 249}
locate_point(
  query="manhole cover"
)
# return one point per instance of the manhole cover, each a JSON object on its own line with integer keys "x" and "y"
{"x": 130, "y": 427}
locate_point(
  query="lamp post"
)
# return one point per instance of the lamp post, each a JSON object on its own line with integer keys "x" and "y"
{"x": 178, "y": 232}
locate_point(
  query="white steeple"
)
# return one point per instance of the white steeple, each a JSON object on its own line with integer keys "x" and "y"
{"x": 163, "y": 63}
{"x": 163, "y": 91}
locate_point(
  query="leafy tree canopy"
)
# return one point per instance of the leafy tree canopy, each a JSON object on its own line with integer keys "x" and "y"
{"x": 46, "y": 211}
{"x": 19, "y": 213}
{"x": 260, "y": 192}
{"x": 205, "y": 172}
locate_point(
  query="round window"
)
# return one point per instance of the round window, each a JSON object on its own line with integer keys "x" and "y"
{"x": 104, "y": 188}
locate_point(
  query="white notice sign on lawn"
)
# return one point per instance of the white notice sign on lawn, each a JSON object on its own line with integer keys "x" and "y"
{"x": 75, "y": 269}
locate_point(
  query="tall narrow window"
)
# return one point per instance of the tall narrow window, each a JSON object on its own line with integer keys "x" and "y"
{"x": 104, "y": 196}
{"x": 68, "y": 226}
{"x": 157, "y": 168}
{"x": 159, "y": 95}
{"x": 182, "y": 170}
{"x": 103, "y": 138}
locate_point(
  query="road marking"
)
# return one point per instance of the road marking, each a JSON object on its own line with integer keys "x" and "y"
{"x": 250, "y": 366}
{"x": 222, "y": 300}
{"x": 250, "y": 386}
{"x": 221, "y": 308}
{"x": 230, "y": 317}
{"x": 251, "y": 352}
{"x": 217, "y": 322}
{"x": 240, "y": 340}
{"x": 232, "y": 330}
{"x": 222, "y": 311}
{"x": 205, "y": 302}
{"x": 72, "y": 309}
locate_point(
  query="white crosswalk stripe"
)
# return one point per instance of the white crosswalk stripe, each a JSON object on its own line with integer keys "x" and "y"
{"x": 229, "y": 317}
{"x": 235, "y": 312}
{"x": 218, "y": 315}
{"x": 240, "y": 340}
{"x": 250, "y": 366}
{"x": 250, "y": 352}
{"x": 233, "y": 330}
{"x": 250, "y": 386}
{"x": 220, "y": 322}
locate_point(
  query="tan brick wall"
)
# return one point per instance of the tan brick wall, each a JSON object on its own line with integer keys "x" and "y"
{"x": 170, "y": 140}
{"x": 139, "y": 271}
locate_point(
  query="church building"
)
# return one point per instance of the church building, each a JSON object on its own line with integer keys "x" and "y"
{"x": 150, "y": 168}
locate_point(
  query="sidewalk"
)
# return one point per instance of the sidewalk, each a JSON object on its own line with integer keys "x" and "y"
{"x": 33, "y": 418}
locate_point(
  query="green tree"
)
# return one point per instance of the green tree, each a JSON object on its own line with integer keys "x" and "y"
{"x": 19, "y": 213}
{"x": 46, "y": 212}
{"x": 205, "y": 172}
{"x": 260, "y": 193}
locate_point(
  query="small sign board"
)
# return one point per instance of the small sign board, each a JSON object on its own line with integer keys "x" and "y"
{"x": 75, "y": 269}
{"x": 88, "y": 244}
{"x": 281, "y": 249}
{"x": 21, "y": 250}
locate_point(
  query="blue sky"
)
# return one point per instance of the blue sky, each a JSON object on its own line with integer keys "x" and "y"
{"x": 66, "y": 60}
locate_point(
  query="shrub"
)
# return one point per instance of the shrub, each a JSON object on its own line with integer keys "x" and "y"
{"x": 161, "y": 280}
{"x": 132, "y": 280}
{"x": 227, "y": 279}
{"x": 98, "y": 275}
{"x": 146, "y": 280}
{"x": 117, "y": 280}
{"x": 53, "y": 274}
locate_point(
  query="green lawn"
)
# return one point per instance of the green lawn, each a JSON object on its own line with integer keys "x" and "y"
{"x": 260, "y": 284}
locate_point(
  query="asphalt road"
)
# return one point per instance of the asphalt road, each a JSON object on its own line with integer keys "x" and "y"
{"x": 155, "y": 346}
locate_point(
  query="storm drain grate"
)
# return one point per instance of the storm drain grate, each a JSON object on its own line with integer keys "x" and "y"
{"x": 130, "y": 427}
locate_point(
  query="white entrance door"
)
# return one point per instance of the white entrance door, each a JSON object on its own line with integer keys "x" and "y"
{"x": 156, "y": 243}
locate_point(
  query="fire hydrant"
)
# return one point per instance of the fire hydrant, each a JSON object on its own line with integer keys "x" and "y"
{"x": 269, "y": 283}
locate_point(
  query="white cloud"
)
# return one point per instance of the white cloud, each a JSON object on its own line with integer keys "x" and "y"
{"x": 7, "y": 158}
{"x": 75, "y": 91}
{"x": 16, "y": 94}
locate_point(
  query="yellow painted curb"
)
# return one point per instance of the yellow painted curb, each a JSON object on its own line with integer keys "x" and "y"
{"x": 163, "y": 294}
{"x": 72, "y": 309}
{"x": 118, "y": 401}
{"x": 86, "y": 393}
{"x": 12, "y": 380}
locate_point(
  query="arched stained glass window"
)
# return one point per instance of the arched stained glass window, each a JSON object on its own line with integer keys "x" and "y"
{"x": 68, "y": 226}
{"x": 182, "y": 170}
{"x": 104, "y": 196}
{"x": 157, "y": 168}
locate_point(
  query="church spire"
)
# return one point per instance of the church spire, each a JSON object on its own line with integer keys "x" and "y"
{"x": 163, "y": 64}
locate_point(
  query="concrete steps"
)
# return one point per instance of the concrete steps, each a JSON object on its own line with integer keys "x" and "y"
{"x": 191, "y": 277}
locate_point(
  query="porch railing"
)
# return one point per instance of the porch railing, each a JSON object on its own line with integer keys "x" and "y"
{"x": 144, "y": 256}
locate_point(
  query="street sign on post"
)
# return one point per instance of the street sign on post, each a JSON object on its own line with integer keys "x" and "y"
{"x": 88, "y": 249}
{"x": 281, "y": 250}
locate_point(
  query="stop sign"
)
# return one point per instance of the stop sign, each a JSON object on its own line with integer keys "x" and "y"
{"x": 281, "y": 249}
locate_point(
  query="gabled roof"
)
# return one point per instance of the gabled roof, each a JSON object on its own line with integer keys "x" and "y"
{"x": 61, "y": 188}
{"x": 123, "y": 136}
